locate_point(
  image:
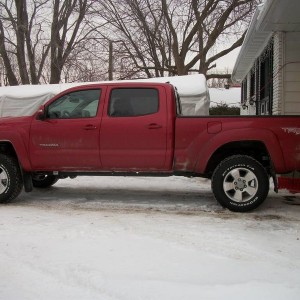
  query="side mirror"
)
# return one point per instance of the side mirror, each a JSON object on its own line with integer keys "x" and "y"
{"x": 41, "y": 115}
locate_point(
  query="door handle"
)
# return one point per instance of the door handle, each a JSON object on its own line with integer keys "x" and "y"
{"x": 153, "y": 126}
{"x": 90, "y": 127}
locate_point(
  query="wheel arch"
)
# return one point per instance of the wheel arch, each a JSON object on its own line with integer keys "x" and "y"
{"x": 247, "y": 141}
{"x": 17, "y": 150}
{"x": 253, "y": 148}
{"x": 7, "y": 148}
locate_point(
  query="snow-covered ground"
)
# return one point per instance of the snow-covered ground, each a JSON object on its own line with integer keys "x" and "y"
{"x": 116, "y": 238}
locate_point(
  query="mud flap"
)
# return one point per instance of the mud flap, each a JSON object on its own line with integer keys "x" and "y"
{"x": 27, "y": 180}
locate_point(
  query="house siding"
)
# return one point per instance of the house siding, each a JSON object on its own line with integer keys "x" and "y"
{"x": 286, "y": 76}
{"x": 291, "y": 74}
{"x": 278, "y": 39}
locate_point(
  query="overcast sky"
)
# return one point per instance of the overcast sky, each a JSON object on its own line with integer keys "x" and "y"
{"x": 227, "y": 61}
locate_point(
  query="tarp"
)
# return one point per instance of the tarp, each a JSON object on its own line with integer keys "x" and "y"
{"x": 24, "y": 100}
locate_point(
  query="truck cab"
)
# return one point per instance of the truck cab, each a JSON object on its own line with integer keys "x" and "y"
{"x": 124, "y": 127}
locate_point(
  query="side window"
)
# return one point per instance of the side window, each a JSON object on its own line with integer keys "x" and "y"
{"x": 133, "y": 102}
{"x": 79, "y": 104}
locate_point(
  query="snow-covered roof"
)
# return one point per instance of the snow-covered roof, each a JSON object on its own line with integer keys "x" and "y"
{"x": 273, "y": 15}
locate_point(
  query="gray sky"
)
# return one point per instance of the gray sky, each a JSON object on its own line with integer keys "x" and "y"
{"x": 227, "y": 61}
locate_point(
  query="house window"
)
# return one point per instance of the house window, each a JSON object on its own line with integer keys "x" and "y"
{"x": 252, "y": 85}
{"x": 266, "y": 81}
{"x": 244, "y": 91}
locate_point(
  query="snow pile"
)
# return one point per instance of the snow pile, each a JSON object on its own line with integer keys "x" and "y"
{"x": 231, "y": 97}
{"x": 193, "y": 91}
{"x": 24, "y": 100}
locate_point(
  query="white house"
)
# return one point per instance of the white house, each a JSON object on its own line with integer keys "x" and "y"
{"x": 268, "y": 65}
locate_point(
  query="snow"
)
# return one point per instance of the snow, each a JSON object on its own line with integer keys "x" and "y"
{"x": 24, "y": 100}
{"x": 146, "y": 238}
{"x": 231, "y": 97}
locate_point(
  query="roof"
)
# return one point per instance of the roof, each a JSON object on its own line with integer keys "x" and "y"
{"x": 273, "y": 15}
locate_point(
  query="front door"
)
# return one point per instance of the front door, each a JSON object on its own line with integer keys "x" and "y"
{"x": 134, "y": 130}
{"x": 68, "y": 138}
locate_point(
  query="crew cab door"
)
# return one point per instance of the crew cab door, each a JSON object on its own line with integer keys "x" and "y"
{"x": 134, "y": 129}
{"x": 68, "y": 136}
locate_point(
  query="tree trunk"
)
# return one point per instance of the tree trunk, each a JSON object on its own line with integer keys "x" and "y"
{"x": 21, "y": 27}
{"x": 11, "y": 77}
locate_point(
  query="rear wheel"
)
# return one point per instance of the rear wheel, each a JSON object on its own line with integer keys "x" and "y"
{"x": 240, "y": 183}
{"x": 10, "y": 178}
{"x": 43, "y": 180}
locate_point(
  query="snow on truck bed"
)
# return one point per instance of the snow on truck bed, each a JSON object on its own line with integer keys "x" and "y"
{"x": 24, "y": 100}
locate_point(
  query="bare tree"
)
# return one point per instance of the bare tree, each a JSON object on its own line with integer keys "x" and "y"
{"x": 135, "y": 29}
{"x": 177, "y": 36}
{"x": 20, "y": 36}
{"x": 68, "y": 40}
{"x": 39, "y": 33}
{"x": 67, "y": 31}
{"x": 4, "y": 48}
{"x": 86, "y": 65}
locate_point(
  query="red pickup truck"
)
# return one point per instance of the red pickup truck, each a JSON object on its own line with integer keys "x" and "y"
{"x": 138, "y": 129}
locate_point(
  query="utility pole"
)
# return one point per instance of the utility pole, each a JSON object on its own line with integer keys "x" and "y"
{"x": 110, "y": 61}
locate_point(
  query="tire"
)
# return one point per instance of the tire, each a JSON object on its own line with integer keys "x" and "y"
{"x": 43, "y": 180}
{"x": 11, "y": 182}
{"x": 240, "y": 183}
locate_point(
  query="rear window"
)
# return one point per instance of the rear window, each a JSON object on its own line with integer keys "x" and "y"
{"x": 133, "y": 102}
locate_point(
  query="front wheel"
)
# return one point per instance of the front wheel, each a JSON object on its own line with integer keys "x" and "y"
{"x": 240, "y": 183}
{"x": 11, "y": 182}
{"x": 43, "y": 180}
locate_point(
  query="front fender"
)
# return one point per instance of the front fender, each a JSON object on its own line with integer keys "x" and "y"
{"x": 18, "y": 138}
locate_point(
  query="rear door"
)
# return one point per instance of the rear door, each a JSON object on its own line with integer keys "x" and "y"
{"x": 134, "y": 129}
{"x": 68, "y": 139}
